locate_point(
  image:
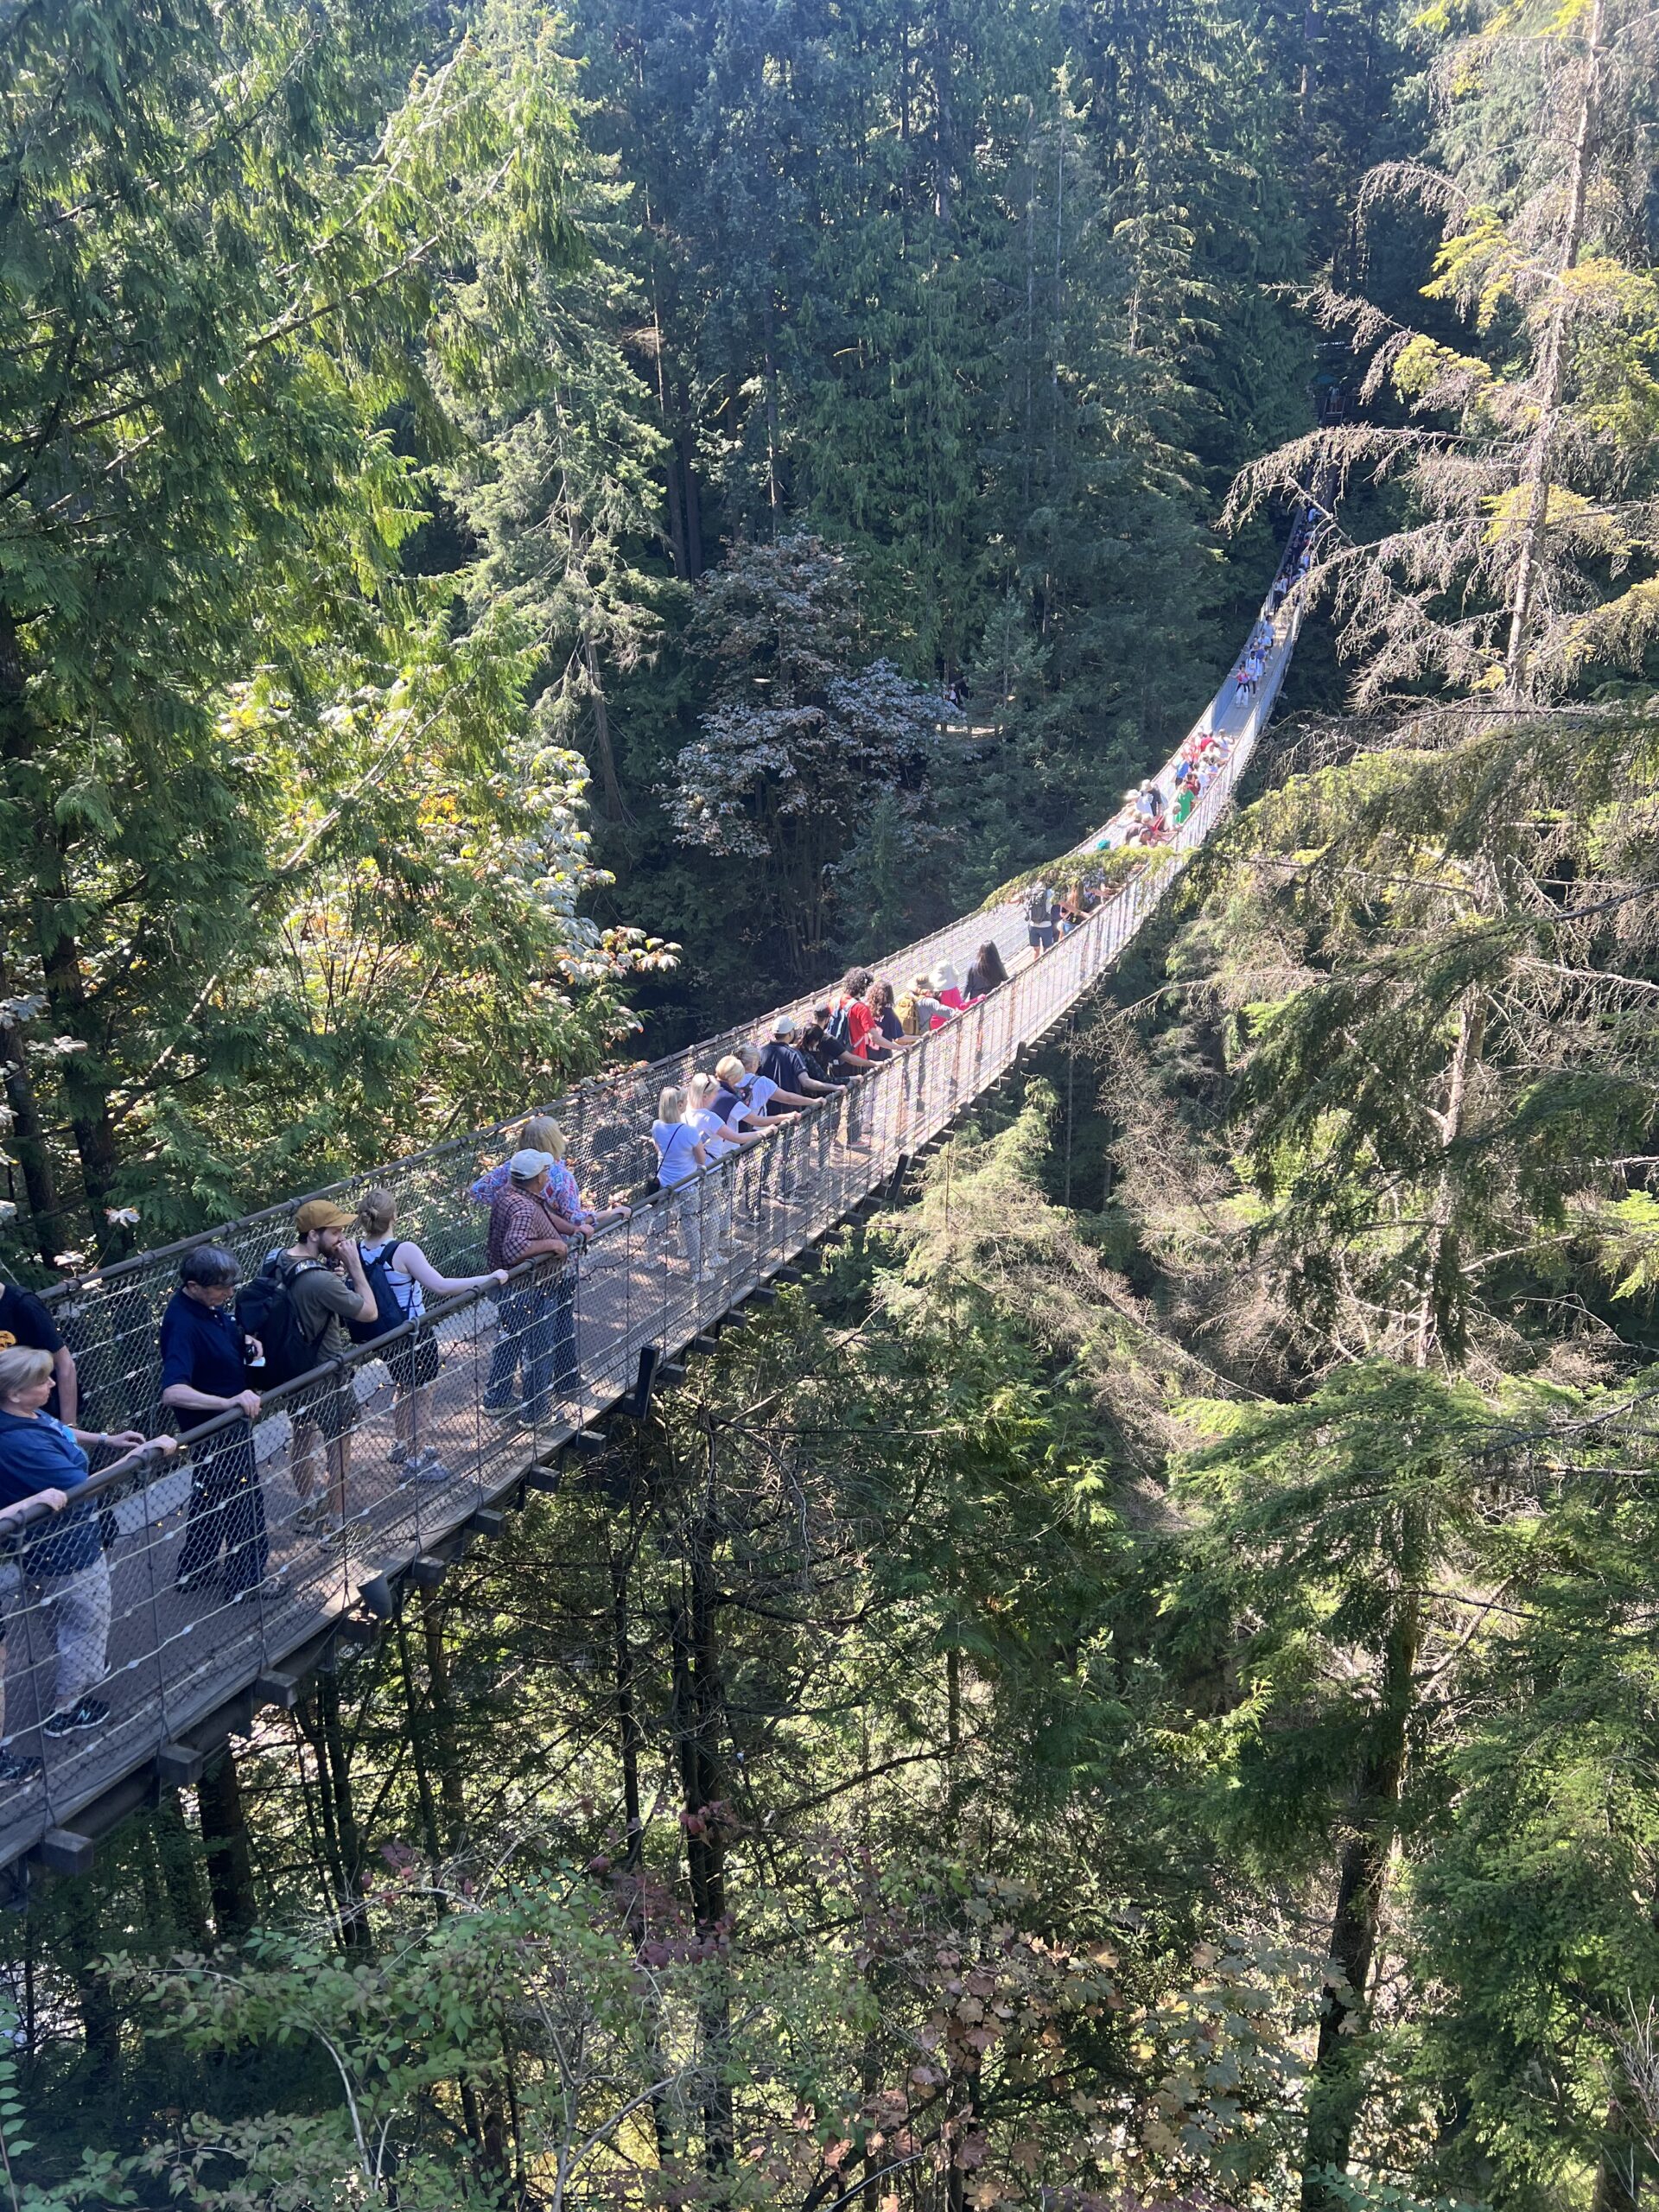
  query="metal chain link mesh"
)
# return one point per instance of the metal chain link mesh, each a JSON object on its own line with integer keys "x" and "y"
{"x": 212, "y": 1572}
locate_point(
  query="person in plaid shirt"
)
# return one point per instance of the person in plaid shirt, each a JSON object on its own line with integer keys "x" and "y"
{"x": 538, "y": 1312}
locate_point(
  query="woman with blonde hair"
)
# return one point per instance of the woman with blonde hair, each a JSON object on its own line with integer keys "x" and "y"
{"x": 541, "y": 1133}
{"x": 681, "y": 1159}
{"x": 716, "y": 1138}
{"x": 42, "y": 1463}
{"x": 400, "y": 1275}
{"x": 532, "y": 1137}
{"x": 562, "y": 1184}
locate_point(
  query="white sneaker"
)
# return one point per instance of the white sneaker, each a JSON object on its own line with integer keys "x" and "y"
{"x": 712, "y": 1259}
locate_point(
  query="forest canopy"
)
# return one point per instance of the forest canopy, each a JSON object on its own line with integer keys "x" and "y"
{"x": 527, "y": 537}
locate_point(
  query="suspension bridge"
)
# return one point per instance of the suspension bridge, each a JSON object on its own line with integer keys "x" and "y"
{"x": 187, "y": 1671}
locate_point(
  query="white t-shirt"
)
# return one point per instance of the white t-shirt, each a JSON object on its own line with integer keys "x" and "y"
{"x": 705, "y": 1123}
{"x": 759, "y": 1089}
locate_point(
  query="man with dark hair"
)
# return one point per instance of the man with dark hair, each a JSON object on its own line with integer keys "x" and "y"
{"x": 205, "y": 1374}
{"x": 326, "y": 1288}
{"x": 829, "y": 1062}
{"x": 26, "y": 1322}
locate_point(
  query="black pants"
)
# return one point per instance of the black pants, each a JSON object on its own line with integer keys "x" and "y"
{"x": 227, "y": 1513}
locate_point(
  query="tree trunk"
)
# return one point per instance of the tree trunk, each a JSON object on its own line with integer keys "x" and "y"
{"x": 944, "y": 117}
{"x": 86, "y": 1087}
{"x": 693, "y": 507}
{"x": 699, "y": 1717}
{"x": 29, "y": 1133}
{"x": 230, "y": 1861}
{"x": 319, "y": 1717}
{"x": 953, "y": 1732}
{"x": 774, "y": 488}
{"x": 1031, "y": 327}
{"x": 1552, "y": 370}
{"x": 1305, "y": 90}
{"x": 176, "y": 1850}
{"x": 353, "y": 1914}
{"x": 628, "y": 1732}
{"x": 1334, "y": 2100}
{"x": 903, "y": 28}
{"x": 1442, "y": 1243}
{"x": 1619, "y": 2174}
{"x": 676, "y": 504}
{"x": 100, "y": 2025}
{"x": 616, "y": 807}
{"x": 418, "y": 1705}
{"x": 442, "y": 1707}
{"x": 420, "y": 1721}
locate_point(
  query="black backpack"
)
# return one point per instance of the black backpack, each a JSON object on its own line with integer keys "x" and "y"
{"x": 264, "y": 1308}
{"x": 839, "y": 1030}
{"x": 388, "y": 1313}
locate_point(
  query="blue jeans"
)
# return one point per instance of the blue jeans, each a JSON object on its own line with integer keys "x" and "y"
{"x": 504, "y": 1360}
{"x": 538, "y": 1334}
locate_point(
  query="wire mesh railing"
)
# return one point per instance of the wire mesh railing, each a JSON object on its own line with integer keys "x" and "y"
{"x": 177, "y": 1585}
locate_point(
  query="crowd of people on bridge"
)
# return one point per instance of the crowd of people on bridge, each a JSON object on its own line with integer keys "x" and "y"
{"x": 349, "y": 1278}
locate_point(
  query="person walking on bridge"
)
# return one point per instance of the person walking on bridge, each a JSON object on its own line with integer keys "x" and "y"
{"x": 1042, "y": 931}
{"x": 26, "y": 1319}
{"x": 681, "y": 1160}
{"x": 42, "y": 1463}
{"x": 205, "y": 1374}
{"x": 786, "y": 1067}
{"x": 794, "y": 1083}
{"x": 320, "y": 1281}
{"x": 402, "y": 1275}
{"x": 987, "y": 974}
{"x": 538, "y": 1312}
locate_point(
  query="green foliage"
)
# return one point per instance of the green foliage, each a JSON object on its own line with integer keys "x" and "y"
{"x": 99, "y": 2179}
{"x": 1156, "y": 1698}
{"x": 255, "y": 789}
{"x": 800, "y": 744}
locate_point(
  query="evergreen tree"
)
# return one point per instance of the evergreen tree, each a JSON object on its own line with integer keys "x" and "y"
{"x": 802, "y": 742}
{"x": 226, "y": 244}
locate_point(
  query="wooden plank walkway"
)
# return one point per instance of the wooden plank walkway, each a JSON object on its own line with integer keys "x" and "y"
{"x": 185, "y": 1670}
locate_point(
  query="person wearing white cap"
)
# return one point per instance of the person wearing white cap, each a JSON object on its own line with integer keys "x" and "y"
{"x": 783, "y": 1064}
{"x": 538, "y": 1318}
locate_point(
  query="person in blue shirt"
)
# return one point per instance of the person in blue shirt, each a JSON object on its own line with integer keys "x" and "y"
{"x": 24, "y": 1320}
{"x": 784, "y": 1065}
{"x": 204, "y": 1374}
{"x": 681, "y": 1158}
{"x": 42, "y": 1464}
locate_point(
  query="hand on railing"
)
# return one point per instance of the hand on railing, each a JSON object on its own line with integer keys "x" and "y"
{"x": 140, "y": 1448}
{"x": 28, "y": 1510}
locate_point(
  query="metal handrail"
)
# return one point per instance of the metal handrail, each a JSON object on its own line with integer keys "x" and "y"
{"x": 173, "y": 1661}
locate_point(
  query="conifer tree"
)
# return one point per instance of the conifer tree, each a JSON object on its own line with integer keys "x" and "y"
{"x": 1529, "y": 461}
{"x": 229, "y": 238}
{"x": 805, "y": 738}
